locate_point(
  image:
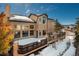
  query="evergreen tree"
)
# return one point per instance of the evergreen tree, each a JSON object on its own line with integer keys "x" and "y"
{"x": 76, "y": 43}
{"x": 58, "y": 26}
{"x": 77, "y": 26}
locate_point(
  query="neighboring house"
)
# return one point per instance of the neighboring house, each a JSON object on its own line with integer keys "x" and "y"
{"x": 35, "y": 25}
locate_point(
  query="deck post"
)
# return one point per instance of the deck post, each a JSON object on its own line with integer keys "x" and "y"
{"x": 15, "y": 49}
{"x": 21, "y": 31}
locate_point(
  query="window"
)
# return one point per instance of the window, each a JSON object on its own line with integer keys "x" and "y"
{"x": 25, "y": 33}
{"x": 39, "y": 19}
{"x": 31, "y": 26}
{"x": 17, "y": 34}
{"x": 44, "y": 32}
{"x": 40, "y": 33}
{"x": 31, "y": 32}
{"x": 44, "y": 20}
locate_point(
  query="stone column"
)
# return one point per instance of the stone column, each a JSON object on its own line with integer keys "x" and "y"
{"x": 38, "y": 33}
{"x": 21, "y": 31}
{"x": 15, "y": 49}
{"x": 28, "y": 33}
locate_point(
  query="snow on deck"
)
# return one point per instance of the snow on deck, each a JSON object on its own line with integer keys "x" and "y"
{"x": 20, "y": 18}
{"x": 54, "y": 51}
{"x": 29, "y": 40}
{"x": 59, "y": 48}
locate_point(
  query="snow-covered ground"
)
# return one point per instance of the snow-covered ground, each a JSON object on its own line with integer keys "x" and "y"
{"x": 60, "y": 48}
{"x": 70, "y": 51}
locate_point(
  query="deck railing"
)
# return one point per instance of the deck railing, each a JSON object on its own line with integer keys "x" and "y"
{"x": 35, "y": 46}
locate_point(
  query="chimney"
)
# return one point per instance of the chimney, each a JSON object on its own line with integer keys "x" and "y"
{"x": 7, "y": 10}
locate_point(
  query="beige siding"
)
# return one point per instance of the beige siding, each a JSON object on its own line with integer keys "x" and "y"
{"x": 25, "y": 27}
{"x": 33, "y": 17}
{"x": 51, "y": 26}
{"x": 39, "y": 26}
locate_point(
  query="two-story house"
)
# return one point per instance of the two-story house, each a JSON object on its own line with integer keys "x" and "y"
{"x": 44, "y": 25}
{"x": 35, "y": 25}
{"x": 41, "y": 24}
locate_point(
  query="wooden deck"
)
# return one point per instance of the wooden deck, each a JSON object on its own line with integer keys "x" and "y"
{"x": 41, "y": 47}
{"x": 33, "y": 50}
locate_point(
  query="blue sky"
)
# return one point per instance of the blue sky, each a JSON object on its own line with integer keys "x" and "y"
{"x": 65, "y": 13}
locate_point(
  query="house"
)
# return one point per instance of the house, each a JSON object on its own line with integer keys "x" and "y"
{"x": 44, "y": 25}
{"x": 35, "y": 25}
{"x": 41, "y": 24}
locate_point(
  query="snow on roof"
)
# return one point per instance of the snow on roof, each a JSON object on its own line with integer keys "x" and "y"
{"x": 20, "y": 18}
{"x": 29, "y": 40}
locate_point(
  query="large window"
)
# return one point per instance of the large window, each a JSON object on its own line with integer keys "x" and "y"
{"x": 44, "y": 20}
{"x": 17, "y": 34}
{"x": 44, "y": 32}
{"x": 25, "y": 33}
{"x": 31, "y": 26}
{"x": 40, "y": 33}
{"x": 31, "y": 32}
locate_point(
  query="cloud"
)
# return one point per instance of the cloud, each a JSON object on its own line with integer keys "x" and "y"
{"x": 28, "y": 11}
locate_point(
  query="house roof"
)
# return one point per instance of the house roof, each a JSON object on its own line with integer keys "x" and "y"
{"x": 51, "y": 19}
{"x": 38, "y": 15}
{"x": 20, "y": 18}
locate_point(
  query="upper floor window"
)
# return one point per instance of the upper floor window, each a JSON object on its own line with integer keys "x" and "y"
{"x": 31, "y": 26}
{"x": 44, "y": 20}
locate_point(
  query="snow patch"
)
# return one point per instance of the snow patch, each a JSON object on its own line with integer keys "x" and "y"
{"x": 54, "y": 51}
{"x": 70, "y": 51}
{"x": 60, "y": 47}
{"x": 20, "y": 18}
{"x": 29, "y": 40}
